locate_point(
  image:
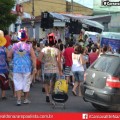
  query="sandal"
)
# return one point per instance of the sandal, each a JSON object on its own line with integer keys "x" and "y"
{"x": 74, "y": 93}
{"x": 4, "y": 98}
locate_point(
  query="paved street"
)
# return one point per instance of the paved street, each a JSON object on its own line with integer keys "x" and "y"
{"x": 38, "y": 104}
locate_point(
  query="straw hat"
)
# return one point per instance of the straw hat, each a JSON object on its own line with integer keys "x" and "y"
{"x": 2, "y": 41}
{"x": 1, "y": 33}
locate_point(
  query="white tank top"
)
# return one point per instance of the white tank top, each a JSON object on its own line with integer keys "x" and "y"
{"x": 76, "y": 66}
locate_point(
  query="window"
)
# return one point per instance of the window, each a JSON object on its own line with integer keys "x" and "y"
{"x": 107, "y": 64}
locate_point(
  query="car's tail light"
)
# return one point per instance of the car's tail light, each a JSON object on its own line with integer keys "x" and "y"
{"x": 113, "y": 82}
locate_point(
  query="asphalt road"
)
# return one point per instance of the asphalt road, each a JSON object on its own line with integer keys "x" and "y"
{"x": 38, "y": 104}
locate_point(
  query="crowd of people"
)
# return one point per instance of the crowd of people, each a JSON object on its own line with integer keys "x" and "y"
{"x": 23, "y": 62}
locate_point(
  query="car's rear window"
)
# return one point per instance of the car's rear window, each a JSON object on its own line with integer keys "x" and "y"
{"x": 107, "y": 64}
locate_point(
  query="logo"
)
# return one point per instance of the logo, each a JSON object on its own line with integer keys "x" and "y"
{"x": 85, "y": 116}
{"x": 110, "y": 3}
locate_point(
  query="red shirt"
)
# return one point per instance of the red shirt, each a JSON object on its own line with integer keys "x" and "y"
{"x": 92, "y": 57}
{"x": 8, "y": 38}
{"x": 68, "y": 56}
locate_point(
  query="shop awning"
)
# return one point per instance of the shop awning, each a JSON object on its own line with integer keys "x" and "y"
{"x": 81, "y": 19}
{"x": 59, "y": 16}
{"x": 26, "y": 15}
{"x": 111, "y": 35}
{"x": 92, "y": 23}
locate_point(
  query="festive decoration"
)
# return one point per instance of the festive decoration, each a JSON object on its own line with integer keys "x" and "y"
{"x": 22, "y": 35}
{"x": 19, "y": 9}
{"x": 51, "y": 37}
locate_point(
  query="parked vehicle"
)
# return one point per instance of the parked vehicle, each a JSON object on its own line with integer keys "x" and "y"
{"x": 101, "y": 85}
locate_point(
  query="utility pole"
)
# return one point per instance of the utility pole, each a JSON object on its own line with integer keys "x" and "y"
{"x": 72, "y": 6}
{"x": 33, "y": 21}
{"x": 33, "y": 9}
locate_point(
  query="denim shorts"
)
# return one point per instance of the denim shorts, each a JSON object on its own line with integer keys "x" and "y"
{"x": 68, "y": 71}
{"x": 78, "y": 75}
{"x": 50, "y": 77}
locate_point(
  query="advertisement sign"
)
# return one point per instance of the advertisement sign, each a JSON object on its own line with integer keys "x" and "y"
{"x": 114, "y": 43}
{"x": 93, "y": 35}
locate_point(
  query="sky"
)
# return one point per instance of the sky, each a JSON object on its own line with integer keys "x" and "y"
{"x": 87, "y": 3}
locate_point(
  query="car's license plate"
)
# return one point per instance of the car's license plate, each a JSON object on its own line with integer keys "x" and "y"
{"x": 89, "y": 92}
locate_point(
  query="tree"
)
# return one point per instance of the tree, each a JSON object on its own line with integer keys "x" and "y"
{"x": 6, "y": 17}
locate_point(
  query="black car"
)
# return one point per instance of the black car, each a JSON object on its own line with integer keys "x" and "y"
{"x": 101, "y": 85}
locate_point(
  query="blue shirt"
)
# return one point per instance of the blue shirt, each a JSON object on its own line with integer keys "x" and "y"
{"x": 3, "y": 61}
{"x": 21, "y": 58}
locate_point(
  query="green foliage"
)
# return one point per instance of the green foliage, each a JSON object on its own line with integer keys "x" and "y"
{"x": 6, "y": 17}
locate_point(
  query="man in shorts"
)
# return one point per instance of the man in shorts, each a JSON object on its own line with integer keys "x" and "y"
{"x": 68, "y": 61}
{"x": 23, "y": 60}
{"x": 52, "y": 65}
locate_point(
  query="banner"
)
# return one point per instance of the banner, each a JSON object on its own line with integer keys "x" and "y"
{"x": 113, "y": 43}
{"x": 59, "y": 116}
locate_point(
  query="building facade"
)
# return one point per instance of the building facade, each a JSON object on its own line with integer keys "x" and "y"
{"x": 60, "y": 6}
{"x": 113, "y": 11}
{"x": 35, "y": 7}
